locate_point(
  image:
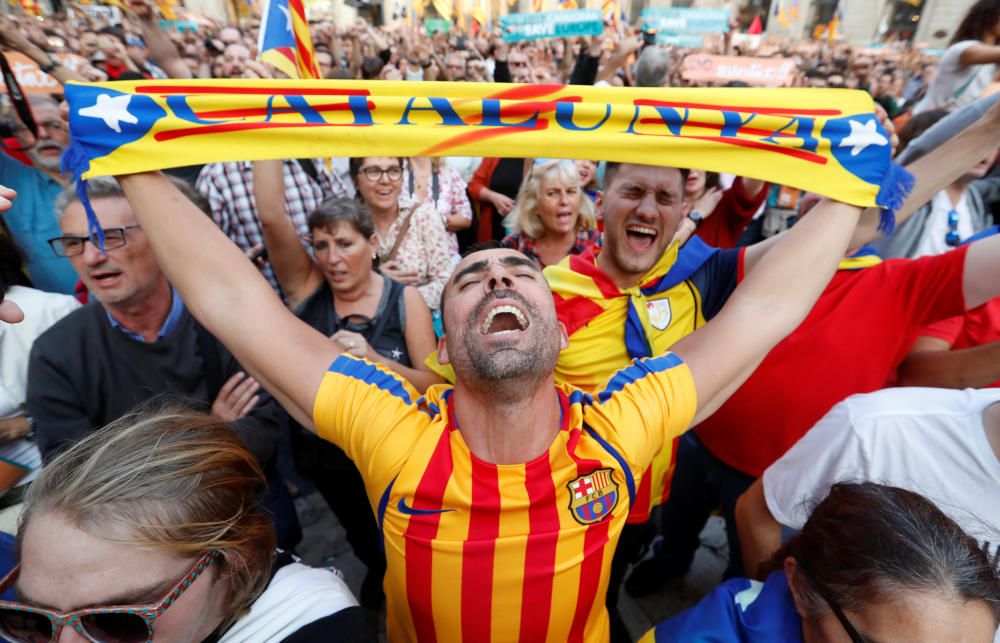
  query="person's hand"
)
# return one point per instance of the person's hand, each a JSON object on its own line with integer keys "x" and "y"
{"x": 257, "y": 256}
{"x": 353, "y": 344}
{"x": 500, "y": 51}
{"x": 255, "y": 69}
{"x": 685, "y": 231}
{"x": 92, "y": 74}
{"x": 432, "y": 72}
{"x": 504, "y": 204}
{"x": 706, "y": 204}
{"x": 391, "y": 72}
{"x": 890, "y": 129}
{"x": 14, "y": 428}
{"x": 7, "y": 196}
{"x": 394, "y": 271}
{"x": 11, "y": 35}
{"x": 142, "y": 9}
{"x": 236, "y": 398}
{"x": 10, "y": 313}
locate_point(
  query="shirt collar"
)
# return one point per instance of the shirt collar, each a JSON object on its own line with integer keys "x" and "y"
{"x": 169, "y": 324}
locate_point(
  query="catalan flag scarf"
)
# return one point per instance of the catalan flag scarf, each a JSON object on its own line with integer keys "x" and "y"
{"x": 584, "y": 292}
{"x": 821, "y": 140}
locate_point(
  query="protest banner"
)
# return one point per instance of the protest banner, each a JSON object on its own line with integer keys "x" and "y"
{"x": 754, "y": 71}
{"x": 433, "y": 25}
{"x": 678, "y": 20}
{"x": 680, "y": 40}
{"x": 32, "y": 79}
{"x": 567, "y": 23}
{"x": 112, "y": 15}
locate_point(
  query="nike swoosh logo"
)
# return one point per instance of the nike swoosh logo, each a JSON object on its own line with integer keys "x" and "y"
{"x": 410, "y": 511}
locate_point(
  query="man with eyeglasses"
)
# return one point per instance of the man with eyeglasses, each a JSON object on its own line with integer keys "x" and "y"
{"x": 454, "y": 67}
{"x": 133, "y": 342}
{"x": 31, "y": 220}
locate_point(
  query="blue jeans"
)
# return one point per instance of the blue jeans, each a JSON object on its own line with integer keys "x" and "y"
{"x": 701, "y": 484}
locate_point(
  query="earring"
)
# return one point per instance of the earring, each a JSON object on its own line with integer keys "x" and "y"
{"x": 374, "y": 255}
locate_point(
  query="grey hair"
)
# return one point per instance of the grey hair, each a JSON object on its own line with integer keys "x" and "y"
{"x": 107, "y": 187}
{"x": 99, "y": 187}
{"x": 652, "y": 68}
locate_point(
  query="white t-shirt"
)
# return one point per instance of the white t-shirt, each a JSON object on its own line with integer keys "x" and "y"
{"x": 296, "y": 596}
{"x": 930, "y": 441}
{"x": 933, "y": 241}
{"x": 956, "y": 85}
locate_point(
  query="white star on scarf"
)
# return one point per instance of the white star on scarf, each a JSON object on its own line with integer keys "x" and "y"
{"x": 113, "y": 110}
{"x": 862, "y": 136}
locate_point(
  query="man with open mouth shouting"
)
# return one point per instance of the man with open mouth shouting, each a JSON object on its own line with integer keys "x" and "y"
{"x": 501, "y": 498}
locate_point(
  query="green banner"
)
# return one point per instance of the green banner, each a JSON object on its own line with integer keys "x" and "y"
{"x": 552, "y": 24}
{"x": 437, "y": 24}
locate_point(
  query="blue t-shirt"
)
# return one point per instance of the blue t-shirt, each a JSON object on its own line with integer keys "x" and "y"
{"x": 741, "y": 610}
{"x": 32, "y": 222}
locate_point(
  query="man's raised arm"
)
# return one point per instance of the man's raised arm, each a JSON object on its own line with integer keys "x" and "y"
{"x": 227, "y": 294}
{"x": 771, "y": 302}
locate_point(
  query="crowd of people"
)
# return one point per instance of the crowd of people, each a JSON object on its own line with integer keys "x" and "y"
{"x": 488, "y": 367}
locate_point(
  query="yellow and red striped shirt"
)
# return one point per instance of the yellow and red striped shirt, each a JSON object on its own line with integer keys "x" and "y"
{"x": 608, "y": 326}
{"x": 484, "y": 552}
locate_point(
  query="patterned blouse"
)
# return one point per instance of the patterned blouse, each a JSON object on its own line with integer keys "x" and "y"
{"x": 452, "y": 199}
{"x": 424, "y": 250}
{"x": 520, "y": 241}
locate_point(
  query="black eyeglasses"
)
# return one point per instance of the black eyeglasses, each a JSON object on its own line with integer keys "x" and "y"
{"x": 54, "y": 125}
{"x": 374, "y": 173}
{"x": 71, "y": 245}
{"x": 852, "y": 632}
{"x": 952, "y": 238}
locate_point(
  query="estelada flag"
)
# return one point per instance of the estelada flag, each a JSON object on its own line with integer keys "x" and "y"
{"x": 285, "y": 41}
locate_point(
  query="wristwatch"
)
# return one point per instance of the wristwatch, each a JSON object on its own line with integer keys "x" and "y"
{"x": 696, "y": 217}
{"x": 49, "y": 68}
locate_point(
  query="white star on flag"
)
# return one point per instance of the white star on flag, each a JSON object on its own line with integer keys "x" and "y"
{"x": 288, "y": 18}
{"x": 113, "y": 110}
{"x": 862, "y": 136}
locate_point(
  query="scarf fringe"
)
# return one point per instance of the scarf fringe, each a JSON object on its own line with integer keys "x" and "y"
{"x": 74, "y": 162}
{"x": 896, "y": 186}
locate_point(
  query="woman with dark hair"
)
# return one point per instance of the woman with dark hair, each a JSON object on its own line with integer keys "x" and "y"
{"x": 968, "y": 65}
{"x": 372, "y": 316}
{"x": 410, "y": 238}
{"x": 872, "y": 563}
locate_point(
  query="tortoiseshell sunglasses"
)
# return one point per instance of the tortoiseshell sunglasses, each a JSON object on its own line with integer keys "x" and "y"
{"x": 23, "y": 623}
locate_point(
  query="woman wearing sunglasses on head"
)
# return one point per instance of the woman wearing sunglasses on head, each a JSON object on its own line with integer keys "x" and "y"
{"x": 370, "y": 315}
{"x": 872, "y": 564}
{"x": 150, "y": 529}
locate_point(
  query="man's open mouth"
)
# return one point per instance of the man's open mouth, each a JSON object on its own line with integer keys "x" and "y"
{"x": 504, "y": 319}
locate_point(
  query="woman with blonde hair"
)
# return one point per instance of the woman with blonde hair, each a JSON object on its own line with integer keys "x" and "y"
{"x": 552, "y": 217}
{"x": 152, "y": 526}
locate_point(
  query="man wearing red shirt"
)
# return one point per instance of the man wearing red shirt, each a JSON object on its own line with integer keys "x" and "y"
{"x": 857, "y": 334}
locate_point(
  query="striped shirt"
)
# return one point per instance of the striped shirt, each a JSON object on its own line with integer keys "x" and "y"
{"x": 483, "y": 552}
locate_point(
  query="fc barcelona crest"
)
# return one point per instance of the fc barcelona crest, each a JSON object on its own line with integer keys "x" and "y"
{"x": 593, "y": 497}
